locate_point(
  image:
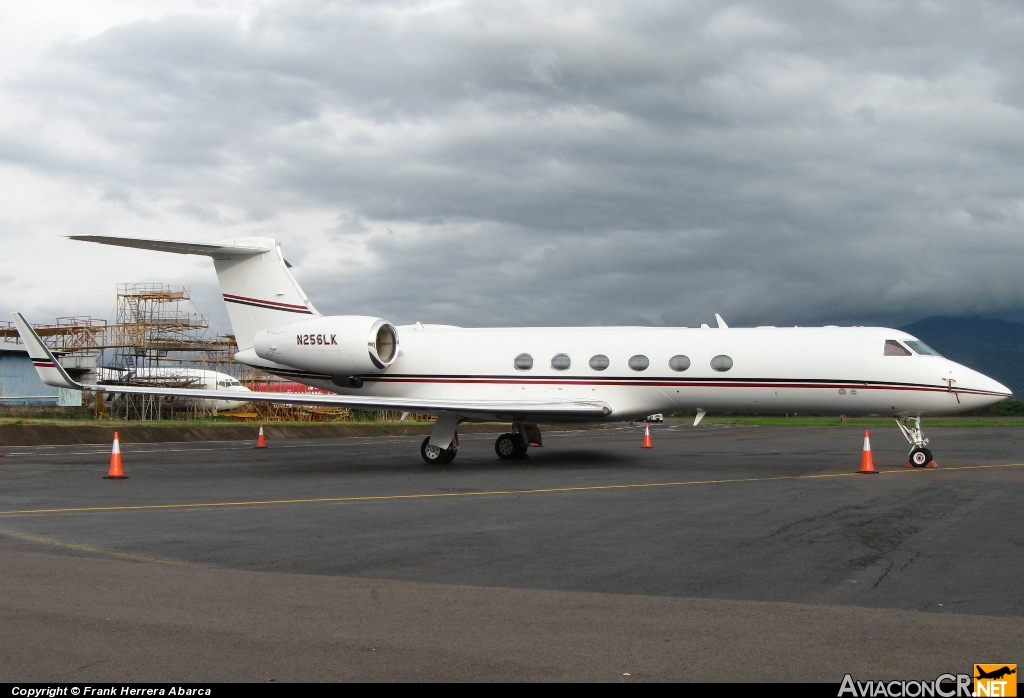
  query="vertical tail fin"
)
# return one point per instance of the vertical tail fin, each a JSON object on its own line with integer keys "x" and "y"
{"x": 259, "y": 290}
{"x": 254, "y": 279}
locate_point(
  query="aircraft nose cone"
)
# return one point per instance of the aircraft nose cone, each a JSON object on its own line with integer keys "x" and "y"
{"x": 974, "y": 380}
{"x": 1000, "y": 388}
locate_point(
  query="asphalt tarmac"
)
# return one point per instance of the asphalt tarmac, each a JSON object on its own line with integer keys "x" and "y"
{"x": 723, "y": 553}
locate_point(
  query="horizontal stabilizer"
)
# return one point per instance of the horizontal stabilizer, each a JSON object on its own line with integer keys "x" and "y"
{"x": 218, "y": 250}
{"x": 254, "y": 279}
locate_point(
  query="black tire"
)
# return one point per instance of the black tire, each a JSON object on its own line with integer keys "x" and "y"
{"x": 432, "y": 454}
{"x": 520, "y": 447}
{"x": 448, "y": 455}
{"x": 511, "y": 447}
{"x": 507, "y": 447}
{"x": 920, "y": 457}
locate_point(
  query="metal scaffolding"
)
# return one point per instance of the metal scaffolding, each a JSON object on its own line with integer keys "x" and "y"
{"x": 156, "y": 326}
{"x": 73, "y": 334}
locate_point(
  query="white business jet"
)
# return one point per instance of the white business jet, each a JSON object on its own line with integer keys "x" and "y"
{"x": 526, "y": 375}
{"x": 199, "y": 378}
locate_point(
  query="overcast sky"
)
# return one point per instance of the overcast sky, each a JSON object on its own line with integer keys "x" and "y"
{"x": 544, "y": 163}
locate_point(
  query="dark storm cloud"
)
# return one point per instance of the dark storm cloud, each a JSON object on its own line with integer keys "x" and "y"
{"x": 583, "y": 163}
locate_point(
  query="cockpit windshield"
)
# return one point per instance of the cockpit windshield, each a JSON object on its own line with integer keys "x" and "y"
{"x": 921, "y": 348}
{"x": 894, "y": 348}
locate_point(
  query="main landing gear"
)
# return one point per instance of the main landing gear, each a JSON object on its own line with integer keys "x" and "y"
{"x": 513, "y": 446}
{"x": 445, "y": 440}
{"x": 510, "y": 446}
{"x": 439, "y": 456}
{"x": 920, "y": 457}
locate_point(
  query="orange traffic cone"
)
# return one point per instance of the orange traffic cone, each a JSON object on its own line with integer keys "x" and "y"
{"x": 261, "y": 441}
{"x": 115, "y": 472}
{"x": 647, "y": 436}
{"x": 867, "y": 463}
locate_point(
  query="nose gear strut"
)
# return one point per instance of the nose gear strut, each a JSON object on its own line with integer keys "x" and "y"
{"x": 919, "y": 456}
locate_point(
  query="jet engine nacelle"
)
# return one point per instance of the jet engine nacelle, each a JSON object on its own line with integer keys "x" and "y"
{"x": 340, "y": 346}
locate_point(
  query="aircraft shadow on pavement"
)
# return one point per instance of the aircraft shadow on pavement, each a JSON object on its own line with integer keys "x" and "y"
{"x": 376, "y": 464}
{"x": 576, "y": 459}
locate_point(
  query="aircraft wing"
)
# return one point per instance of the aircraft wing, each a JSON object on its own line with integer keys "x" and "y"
{"x": 53, "y": 374}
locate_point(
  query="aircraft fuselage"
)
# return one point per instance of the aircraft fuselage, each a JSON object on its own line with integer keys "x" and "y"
{"x": 767, "y": 370}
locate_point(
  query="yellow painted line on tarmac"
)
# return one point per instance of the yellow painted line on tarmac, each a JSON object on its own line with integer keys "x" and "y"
{"x": 90, "y": 549}
{"x": 482, "y": 493}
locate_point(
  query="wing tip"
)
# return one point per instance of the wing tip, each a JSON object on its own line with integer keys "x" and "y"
{"x": 47, "y": 367}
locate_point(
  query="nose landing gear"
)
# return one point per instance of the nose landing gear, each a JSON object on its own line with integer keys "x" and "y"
{"x": 919, "y": 457}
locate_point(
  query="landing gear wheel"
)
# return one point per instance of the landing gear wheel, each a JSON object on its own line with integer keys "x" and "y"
{"x": 920, "y": 457}
{"x": 510, "y": 447}
{"x": 434, "y": 455}
{"x": 505, "y": 446}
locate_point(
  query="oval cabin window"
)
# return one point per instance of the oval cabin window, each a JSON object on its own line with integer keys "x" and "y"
{"x": 639, "y": 362}
{"x": 523, "y": 362}
{"x": 560, "y": 362}
{"x": 679, "y": 362}
{"x": 721, "y": 363}
{"x": 599, "y": 362}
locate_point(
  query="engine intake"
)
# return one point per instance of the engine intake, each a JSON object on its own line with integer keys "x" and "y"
{"x": 342, "y": 345}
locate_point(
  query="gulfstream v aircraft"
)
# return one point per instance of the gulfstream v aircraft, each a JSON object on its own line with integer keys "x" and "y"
{"x": 526, "y": 375}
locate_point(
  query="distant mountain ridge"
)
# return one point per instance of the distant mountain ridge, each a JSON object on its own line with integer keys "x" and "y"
{"x": 994, "y": 347}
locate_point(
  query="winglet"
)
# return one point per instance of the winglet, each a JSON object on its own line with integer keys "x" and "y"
{"x": 721, "y": 322}
{"x": 49, "y": 369}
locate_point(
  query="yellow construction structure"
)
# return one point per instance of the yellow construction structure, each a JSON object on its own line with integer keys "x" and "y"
{"x": 158, "y": 326}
